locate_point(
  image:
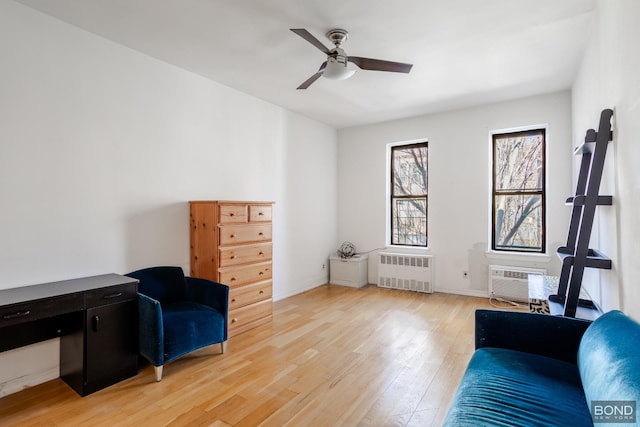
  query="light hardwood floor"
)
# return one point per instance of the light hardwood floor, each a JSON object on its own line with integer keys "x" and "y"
{"x": 333, "y": 356}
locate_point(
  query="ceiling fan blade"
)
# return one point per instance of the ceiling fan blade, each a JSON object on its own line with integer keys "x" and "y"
{"x": 380, "y": 65}
{"x": 313, "y": 78}
{"x": 311, "y": 39}
{"x": 310, "y": 80}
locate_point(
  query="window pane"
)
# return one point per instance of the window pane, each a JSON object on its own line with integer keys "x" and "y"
{"x": 409, "y": 221}
{"x": 518, "y": 222}
{"x": 409, "y": 171}
{"x": 519, "y": 162}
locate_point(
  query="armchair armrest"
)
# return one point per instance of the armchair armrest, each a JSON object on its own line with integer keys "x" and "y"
{"x": 552, "y": 336}
{"x": 208, "y": 292}
{"x": 151, "y": 331}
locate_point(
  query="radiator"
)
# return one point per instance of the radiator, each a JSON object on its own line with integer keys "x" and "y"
{"x": 405, "y": 271}
{"x": 511, "y": 283}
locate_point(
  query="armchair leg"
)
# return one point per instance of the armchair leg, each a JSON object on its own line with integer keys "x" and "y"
{"x": 223, "y": 347}
{"x": 158, "y": 370}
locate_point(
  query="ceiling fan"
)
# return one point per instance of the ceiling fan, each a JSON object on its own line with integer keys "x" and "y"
{"x": 335, "y": 67}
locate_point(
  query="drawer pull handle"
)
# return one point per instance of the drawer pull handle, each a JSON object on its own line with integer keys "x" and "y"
{"x": 261, "y": 234}
{"x": 232, "y": 236}
{"x": 96, "y": 323}
{"x": 234, "y": 320}
{"x": 233, "y": 279}
{"x": 261, "y": 292}
{"x": 261, "y": 273}
{"x": 260, "y": 213}
{"x": 16, "y": 315}
{"x": 231, "y": 214}
{"x": 260, "y": 253}
{"x": 232, "y": 257}
{"x": 233, "y": 300}
{"x": 111, "y": 296}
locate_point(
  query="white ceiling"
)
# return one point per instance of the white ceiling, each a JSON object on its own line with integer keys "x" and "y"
{"x": 465, "y": 52}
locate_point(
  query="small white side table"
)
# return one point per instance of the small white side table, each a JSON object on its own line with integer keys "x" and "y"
{"x": 349, "y": 271}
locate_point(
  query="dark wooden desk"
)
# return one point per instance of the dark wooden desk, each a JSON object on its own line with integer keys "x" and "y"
{"x": 95, "y": 317}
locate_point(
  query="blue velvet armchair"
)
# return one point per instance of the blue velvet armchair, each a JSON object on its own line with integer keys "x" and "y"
{"x": 179, "y": 314}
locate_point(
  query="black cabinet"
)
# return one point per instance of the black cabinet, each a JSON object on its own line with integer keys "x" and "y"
{"x": 112, "y": 344}
{"x": 96, "y": 319}
{"x": 105, "y": 351}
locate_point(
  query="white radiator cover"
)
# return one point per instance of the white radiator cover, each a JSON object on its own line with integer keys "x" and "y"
{"x": 405, "y": 271}
{"x": 511, "y": 283}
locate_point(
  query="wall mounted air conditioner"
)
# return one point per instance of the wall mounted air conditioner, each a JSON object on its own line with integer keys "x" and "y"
{"x": 511, "y": 283}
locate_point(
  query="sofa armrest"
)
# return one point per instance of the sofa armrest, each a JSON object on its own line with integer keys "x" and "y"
{"x": 208, "y": 292}
{"x": 552, "y": 336}
{"x": 150, "y": 331}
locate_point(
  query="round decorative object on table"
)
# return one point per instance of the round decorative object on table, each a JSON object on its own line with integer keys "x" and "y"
{"x": 347, "y": 250}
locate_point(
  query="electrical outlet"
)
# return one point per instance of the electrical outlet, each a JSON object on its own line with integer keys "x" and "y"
{"x": 324, "y": 266}
{"x": 465, "y": 274}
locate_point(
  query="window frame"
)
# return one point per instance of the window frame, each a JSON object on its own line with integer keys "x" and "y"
{"x": 390, "y": 196}
{"x": 510, "y": 133}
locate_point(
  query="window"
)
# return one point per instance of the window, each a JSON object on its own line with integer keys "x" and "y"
{"x": 519, "y": 191}
{"x": 408, "y": 194}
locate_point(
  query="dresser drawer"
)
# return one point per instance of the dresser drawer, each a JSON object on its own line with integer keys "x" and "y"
{"x": 40, "y": 309}
{"x": 232, "y": 214}
{"x": 112, "y": 294}
{"x": 244, "y": 233}
{"x": 238, "y": 276}
{"x": 248, "y": 294}
{"x": 234, "y": 255}
{"x": 260, "y": 213}
{"x": 246, "y": 317}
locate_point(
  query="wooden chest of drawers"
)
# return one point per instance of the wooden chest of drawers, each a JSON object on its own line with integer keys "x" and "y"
{"x": 231, "y": 244}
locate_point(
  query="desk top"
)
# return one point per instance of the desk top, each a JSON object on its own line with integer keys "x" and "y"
{"x": 64, "y": 287}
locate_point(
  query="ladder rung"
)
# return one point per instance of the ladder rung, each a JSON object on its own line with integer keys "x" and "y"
{"x": 589, "y": 144}
{"x": 565, "y": 254}
{"x": 595, "y": 258}
{"x": 579, "y": 200}
{"x": 586, "y": 147}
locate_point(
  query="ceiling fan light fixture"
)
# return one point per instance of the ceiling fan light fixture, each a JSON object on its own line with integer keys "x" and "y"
{"x": 337, "y": 71}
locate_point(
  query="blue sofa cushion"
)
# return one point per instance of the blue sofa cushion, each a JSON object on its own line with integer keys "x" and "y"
{"x": 609, "y": 358}
{"x": 189, "y": 325}
{"x": 509, "y": 387}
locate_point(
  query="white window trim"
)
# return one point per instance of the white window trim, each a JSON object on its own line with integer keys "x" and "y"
{"x": 387, "y": 204}
{"x": 507, "y": 254}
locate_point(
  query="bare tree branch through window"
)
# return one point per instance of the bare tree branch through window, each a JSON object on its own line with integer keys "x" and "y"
{"x": 519, "y": 191}
{"x": 409, "y": 179}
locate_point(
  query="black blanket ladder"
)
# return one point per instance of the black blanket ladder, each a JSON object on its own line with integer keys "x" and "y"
{"x": 576, "y": 254}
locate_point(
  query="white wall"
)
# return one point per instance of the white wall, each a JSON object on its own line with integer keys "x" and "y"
{"x": 610, "y": 78}
{"x": 459, "y": 185}
{"x": 101, "y": 147}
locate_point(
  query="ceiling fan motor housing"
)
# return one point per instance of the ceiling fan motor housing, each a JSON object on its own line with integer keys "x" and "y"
{"x": 336, "y": 68}
{"x": 337, "y": 36}
{"x": 338, "y": 55}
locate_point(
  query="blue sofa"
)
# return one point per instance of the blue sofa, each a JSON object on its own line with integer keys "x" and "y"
{"x": 538, "y": 370}
{"x": 179, "y": 314}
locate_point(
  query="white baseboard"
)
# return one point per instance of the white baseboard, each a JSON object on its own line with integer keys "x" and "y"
{"x": 465, "y": 292}
{"x": 28, "y": 366}
{"x": 31, "y": 379}
{"x": 279, "y": 297}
